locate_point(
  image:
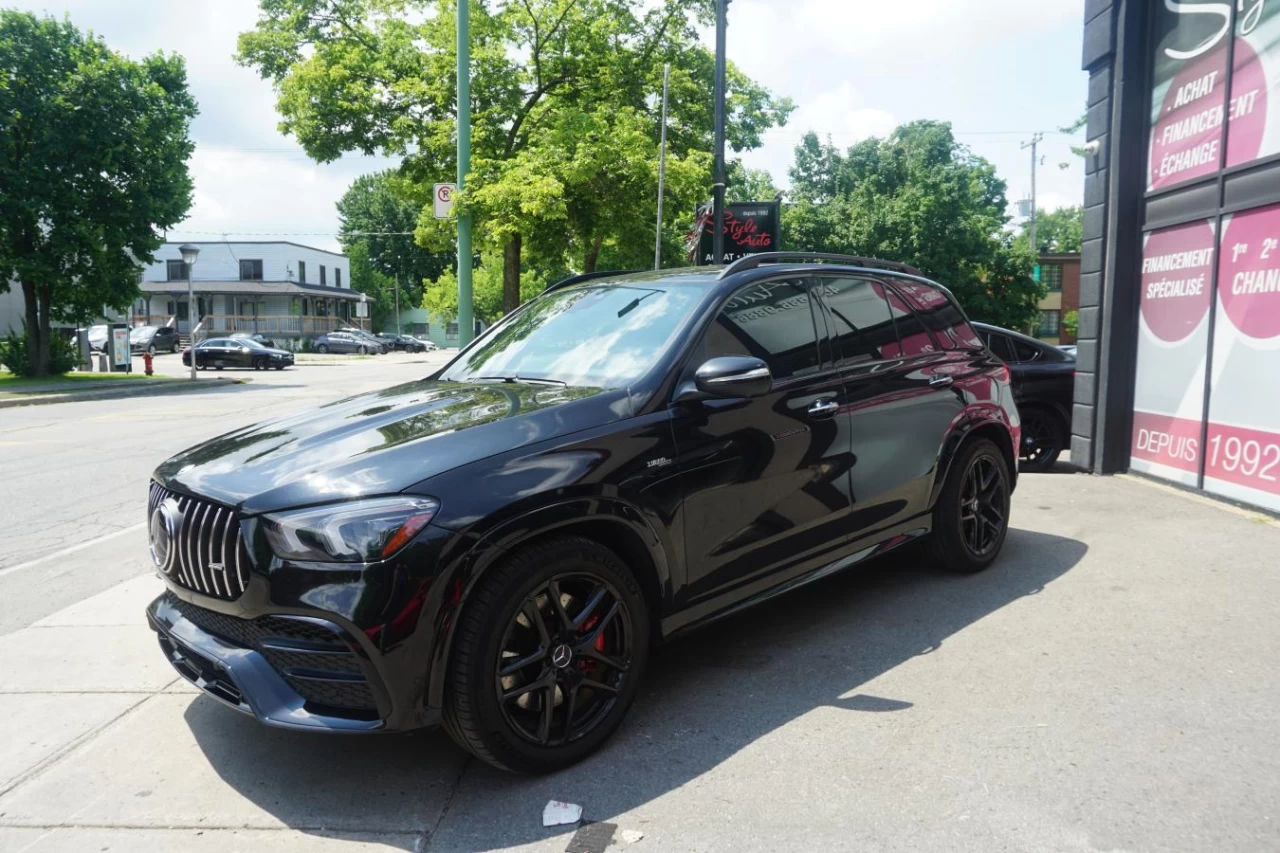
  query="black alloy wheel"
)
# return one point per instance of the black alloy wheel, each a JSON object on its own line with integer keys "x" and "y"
{"x": 563, "y": 659}
{"x": 547, "y": 657}
{"x": 982, "y": 506}
{"x": 971, "y": 517}
{"x": 1041, "y": 441}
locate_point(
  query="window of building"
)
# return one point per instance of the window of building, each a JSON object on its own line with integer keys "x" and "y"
{"x": 337, "y": 276}
{"x": 772, "y": 321}
{"x": 1049, "y": 321}
{"x": 302, "y": 272}
{"x": 419, "y": 329}
{"x": 451, "y": 331}
{"x": 250, "y": 270}
{"x": 176, "y": 270}
{"x": 323, "y": 282}
{"x": 1051, "y": 275}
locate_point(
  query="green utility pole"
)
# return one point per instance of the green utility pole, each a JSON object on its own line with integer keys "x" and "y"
{"x": 466, "y": 325}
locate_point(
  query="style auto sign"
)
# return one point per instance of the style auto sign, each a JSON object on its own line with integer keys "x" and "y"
{"x": 749, "y": 229}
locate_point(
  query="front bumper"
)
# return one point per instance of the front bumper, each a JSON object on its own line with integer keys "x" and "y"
{"x": 293, "y": 672}
{"x": 317, "y": 646}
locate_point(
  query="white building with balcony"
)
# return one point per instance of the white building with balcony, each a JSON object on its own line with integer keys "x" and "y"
{"x": 280, "y": 289}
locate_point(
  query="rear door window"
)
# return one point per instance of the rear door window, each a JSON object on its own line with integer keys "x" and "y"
{"x": 772, "y": 321}
{"x": 1024, "y": 352}
{"x": 862, "y": 326}
{"x": 1001, "y": 348}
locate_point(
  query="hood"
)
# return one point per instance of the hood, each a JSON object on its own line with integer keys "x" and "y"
{"x": 383, "y": 442}
{"x": 275, "y": 351}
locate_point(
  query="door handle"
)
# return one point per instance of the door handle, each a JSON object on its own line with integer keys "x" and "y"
{"x": 823, "y": 408}
{"x": 940, "y": 380}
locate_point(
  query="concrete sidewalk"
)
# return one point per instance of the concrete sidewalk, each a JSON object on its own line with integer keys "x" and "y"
{"x": 1108, "y": 685}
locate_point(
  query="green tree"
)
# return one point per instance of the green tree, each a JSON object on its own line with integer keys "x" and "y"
{"x": 93, "y": 168}
{"x": 918, "y": 197}
{"x": 749, "y": 184}
{"x": 440, "y": 298}
{"x": 378, "y": 76}
{"x": 368, "y": 279}
{"x": 378, "y": 215}
{"x": 1058, "y": 230}
{"x": 1071, "y": 323}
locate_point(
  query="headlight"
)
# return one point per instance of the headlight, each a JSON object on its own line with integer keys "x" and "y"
{"x": 356, "y": 532}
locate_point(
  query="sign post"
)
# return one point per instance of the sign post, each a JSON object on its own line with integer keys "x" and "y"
{"x": 466, "y": 326}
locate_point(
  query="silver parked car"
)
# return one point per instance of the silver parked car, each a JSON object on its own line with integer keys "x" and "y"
{"x": 344, "y": 342}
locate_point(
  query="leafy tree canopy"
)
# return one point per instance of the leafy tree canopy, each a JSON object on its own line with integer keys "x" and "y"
{"x": 562, "y": 108}
{"x": 918, "y": 197}
{"x": 440, "y": 298}
{"x": 93, "y": 168}
{"x": 378, "y": 215}
{"x": 1058, "y": 230}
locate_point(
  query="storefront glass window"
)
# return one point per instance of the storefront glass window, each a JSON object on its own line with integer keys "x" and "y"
{"x": 1173, "y": 343}
{"x": 1242, "y": 446}
{"x": 1188, "y": 91}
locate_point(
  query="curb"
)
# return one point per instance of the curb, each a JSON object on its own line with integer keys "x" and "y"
{"x": 176, "y": 386}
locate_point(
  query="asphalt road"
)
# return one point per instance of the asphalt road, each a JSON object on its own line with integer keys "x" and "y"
{"x": 75, "y": 474}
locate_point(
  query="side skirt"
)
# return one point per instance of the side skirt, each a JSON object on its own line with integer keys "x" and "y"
{"x": 878, "y": 543}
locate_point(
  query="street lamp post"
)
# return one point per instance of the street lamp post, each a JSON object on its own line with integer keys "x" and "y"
{"x": 189, "y": 255}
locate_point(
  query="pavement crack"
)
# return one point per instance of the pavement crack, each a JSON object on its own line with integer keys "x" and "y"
{"x": 425, "y": 839}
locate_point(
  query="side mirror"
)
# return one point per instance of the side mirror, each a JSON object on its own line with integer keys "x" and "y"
{"x": 729, "y": 376}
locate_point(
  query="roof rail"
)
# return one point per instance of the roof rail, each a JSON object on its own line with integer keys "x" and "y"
{"x": 750, "y": 262}
{"x": 586, "y": 276}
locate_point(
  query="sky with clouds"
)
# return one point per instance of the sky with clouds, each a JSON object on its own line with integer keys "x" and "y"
{"x": 998, "y": 70}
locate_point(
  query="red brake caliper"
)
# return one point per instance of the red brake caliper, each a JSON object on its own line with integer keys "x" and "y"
{"x": 586, "y": 664}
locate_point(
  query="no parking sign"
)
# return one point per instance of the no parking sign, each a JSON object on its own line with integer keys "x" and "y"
{"x": 443, "y": 195}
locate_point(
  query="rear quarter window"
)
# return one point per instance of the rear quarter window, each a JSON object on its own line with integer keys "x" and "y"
{"x": 940, "y": 315}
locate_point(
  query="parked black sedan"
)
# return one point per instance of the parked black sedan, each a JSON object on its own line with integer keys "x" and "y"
{"x": 401, "y": 343}
{"x": 1044, "y": 380}
{"x": 237, "y": 352}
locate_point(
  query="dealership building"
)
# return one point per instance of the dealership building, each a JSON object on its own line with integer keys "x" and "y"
{"x": 1179, "y": 323}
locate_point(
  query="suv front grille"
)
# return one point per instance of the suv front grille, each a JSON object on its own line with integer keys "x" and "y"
{"x": 207, "y": 554}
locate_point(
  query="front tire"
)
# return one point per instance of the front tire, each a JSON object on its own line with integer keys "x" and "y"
{"x": 971, "y": 518}
{"x": 151, "y": 350}
{"x": 322, "y": 349}
{"x": 548, "y": 656}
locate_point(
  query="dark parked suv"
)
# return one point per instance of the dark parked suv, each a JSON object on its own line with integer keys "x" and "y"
{"x": 623, "y": 458}
{"x": 1044, "y": 381}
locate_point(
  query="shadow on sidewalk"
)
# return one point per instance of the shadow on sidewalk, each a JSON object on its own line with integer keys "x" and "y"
{"x": 705, "y": 697}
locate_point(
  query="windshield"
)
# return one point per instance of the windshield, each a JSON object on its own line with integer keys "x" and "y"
{"x": 142, "y": 332}
{"x": 604, "y": 337}
{"x": 250, "y": 343}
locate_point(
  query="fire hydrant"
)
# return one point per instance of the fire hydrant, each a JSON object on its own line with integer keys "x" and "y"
{"x": 146, "y": 362}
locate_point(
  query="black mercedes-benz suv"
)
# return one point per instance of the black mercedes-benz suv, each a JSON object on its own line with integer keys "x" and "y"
{"x": 497, "y": 546}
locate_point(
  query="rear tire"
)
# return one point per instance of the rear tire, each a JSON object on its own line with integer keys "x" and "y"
{"x": 1043, "y": 438}
{"x": 498, "y": 625}
{"x": 971, "y": 518}
{"x": 363, "y": 350}
{"x": 322, "y": 349}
